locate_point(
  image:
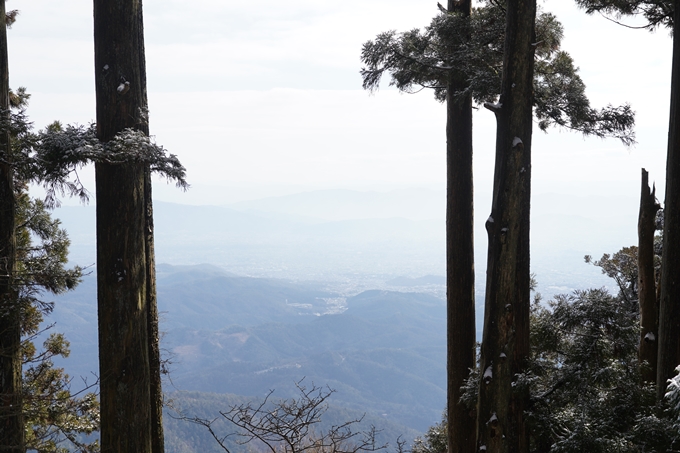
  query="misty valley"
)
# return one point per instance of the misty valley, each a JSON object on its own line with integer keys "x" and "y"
{"x": 325, "y": 300}
{"x": 344, "y": 276}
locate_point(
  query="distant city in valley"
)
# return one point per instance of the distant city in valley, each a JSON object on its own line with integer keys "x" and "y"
{"x": 340, "y": 287}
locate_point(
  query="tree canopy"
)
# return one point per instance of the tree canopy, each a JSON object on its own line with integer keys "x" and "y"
{"x": 419, "y": 59}
{"x": 658, "y": 13}
{"x": 53, "y": 413}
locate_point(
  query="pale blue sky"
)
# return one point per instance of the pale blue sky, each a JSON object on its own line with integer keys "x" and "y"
{"x": 268, "y": 93}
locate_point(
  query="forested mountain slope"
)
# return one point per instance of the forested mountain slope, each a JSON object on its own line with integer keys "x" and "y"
{"x": 383, "y": 351}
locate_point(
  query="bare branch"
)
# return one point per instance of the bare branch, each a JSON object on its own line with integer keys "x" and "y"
{"x": 292, "y": 425}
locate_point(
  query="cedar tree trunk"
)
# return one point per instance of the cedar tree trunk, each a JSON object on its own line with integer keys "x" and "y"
{"x": 501, "y": 425}
{"x": 11, "y": 415}
{"x": 649, "y": 310}
{"x": 460, "y": 267}
{"x": 157, "y": 439}
{"x": 125, "y": 286}
{"x": 669, "y": 310}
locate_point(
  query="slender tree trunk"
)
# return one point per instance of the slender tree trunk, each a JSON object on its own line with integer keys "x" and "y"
{"x": 124, "y": 268}
{"x": 460, "y": 267}
{"x": 157, "y": 438}
{"x": 669, "y": 310}
{"x": 649, "y": 310}
{"x": 11, "y": 415}
{"x": 501, "y": 425}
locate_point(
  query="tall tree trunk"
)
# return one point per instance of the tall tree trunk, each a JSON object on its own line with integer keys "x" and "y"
{"x": 501, "y": 425}
{"x": 669, "y": 310}
{"x": 649, "y": 310}
{"x": 460, "y": 267}
{"x": 157, "y": 439}
{"x": 11, "y": 415}
{"x": 123, "y": 266}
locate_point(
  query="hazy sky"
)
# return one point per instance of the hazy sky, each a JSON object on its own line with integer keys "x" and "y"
{"x": 269, "y": 93}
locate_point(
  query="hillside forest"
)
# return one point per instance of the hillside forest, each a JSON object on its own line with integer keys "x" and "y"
{"x": 195, "y": 358}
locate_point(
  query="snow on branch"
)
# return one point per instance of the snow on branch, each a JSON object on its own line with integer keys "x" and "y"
{"x": 57, "y": 153}
{"x": 673, "y": 393}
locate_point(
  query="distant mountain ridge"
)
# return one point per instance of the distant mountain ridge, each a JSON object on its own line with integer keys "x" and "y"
{"x": 343, "y": 204}
{"x": 386, "y": 351}
{"x": 419, "y": 281}
{"x": 383, "y": 351}
{"x": 276, "y": 245}
{"x": 375, "y": 237}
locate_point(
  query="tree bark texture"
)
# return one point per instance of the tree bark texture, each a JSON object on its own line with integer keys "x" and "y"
{"x": 157, "y": 438}
{"x": 649, "y": 310}
{"x": 669, "y": 310}
{"x": 11, "y": 414}
{"x": 501, "y": 424}
{"x": 460, "y": 268}
{"x": 123, "y": 265}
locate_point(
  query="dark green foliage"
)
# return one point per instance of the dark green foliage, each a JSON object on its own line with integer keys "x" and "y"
{"x": 673, "y": 396}
{"x": 623, "y": 269}
{"x": 586, "y": 391}
{"x": 42, "y": 252}
{"x": 656, "y": 12}
{"x": 53, "y": 415}
{"x": 587, "y": 394}
{"x": 560, "y": 100}
{"x": 420, "y": 59}
{"x": 424, "y": 59}
{"x": 434, "y": 440}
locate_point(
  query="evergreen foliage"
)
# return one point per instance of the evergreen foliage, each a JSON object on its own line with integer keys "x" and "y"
{"x": 622, "y": 268}
{"x": 54, "y": 415}
{"x": 656, "y": 12}
{"x": 434, "y": 440}
{"x": 586, "y": 389}
{"x": 52, "y": 156}
{"x": 419, "y": 59}
{"x": 673, "y": 396}
{"x": 60, "y": 151}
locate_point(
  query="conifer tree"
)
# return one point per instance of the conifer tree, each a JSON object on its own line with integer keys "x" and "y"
{"x": 11, "y": 415}
{"x": 662, "y": 13}
{"x": 54, "y": 415}
{"x": 459, "y": 56}
{"x": 460, "y": 273}
{"x": 124, "y": 156}
{"x": 669, "y": 305}
{"x": 501, "y": 422}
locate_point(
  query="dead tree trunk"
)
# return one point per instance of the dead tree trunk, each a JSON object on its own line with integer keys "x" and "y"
{"x": 669, "y": 310}
{"x": 649, "y": 310}
{"x": 126, "y": 290}
{"x": 11, "y": 415}
{"x": 460, "y": 267}
{"x": 501, "y": 425}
